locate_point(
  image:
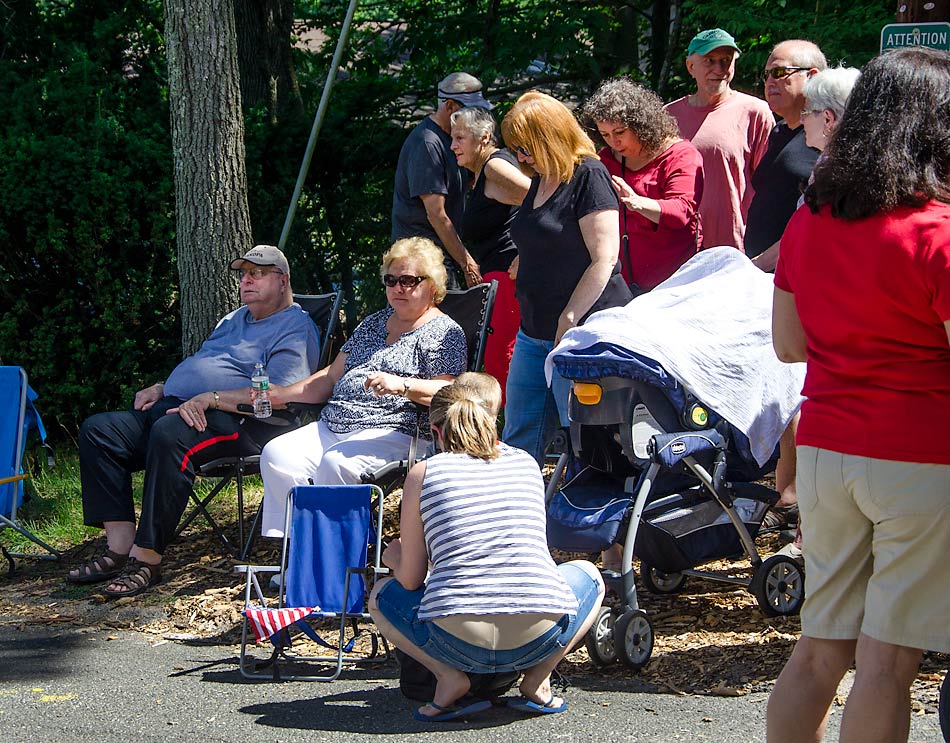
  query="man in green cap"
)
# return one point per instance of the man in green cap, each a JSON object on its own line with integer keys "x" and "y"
{"x": 731, "y": 131}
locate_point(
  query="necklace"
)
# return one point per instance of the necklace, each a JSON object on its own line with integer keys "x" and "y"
{"x": 546, "y": 188}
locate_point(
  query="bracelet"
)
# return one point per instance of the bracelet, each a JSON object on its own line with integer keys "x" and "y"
{"x": 405, "y": 387}
{"x": 217, "y": 400}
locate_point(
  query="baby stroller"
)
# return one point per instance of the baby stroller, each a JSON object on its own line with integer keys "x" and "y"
{"x": 655, "y": 470}
{"x": 652, "y": 465}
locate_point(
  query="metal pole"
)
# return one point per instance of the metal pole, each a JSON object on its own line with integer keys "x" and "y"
{"x": 318, "y": 122}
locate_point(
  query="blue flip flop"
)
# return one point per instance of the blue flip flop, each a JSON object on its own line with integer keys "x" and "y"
{"x": 453, "y": 711}
{"x": 523, "y": 704}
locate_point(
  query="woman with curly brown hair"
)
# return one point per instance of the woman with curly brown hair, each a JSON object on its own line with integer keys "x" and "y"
{"x": 658, "y": 176}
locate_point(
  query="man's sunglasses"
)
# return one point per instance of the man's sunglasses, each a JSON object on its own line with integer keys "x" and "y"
{"x": 406, "y": 281}
{"x": 780, "y": 73}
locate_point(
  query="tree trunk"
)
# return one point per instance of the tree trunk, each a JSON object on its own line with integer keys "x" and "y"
{"x": 660, "y": 39}
{"x": 918, "y": 11}
{"x": 264, "y": 29}
{"x": 212, "y": 221}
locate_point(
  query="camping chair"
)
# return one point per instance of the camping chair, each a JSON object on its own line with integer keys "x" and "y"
{"x": 322, "y": 578}
{"x": 324, "y": 310}
{"x": 18, "y": 418}
{"x": 472, "y": 309}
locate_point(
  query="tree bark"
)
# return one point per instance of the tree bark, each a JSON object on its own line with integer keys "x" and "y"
{"x": 212, "y": 221}
{"x": 919, "y": 11}
{"x": 264, "y": 29}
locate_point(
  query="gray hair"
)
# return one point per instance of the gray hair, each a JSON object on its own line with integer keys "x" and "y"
{"x": 479, "y": 122}
{"x": 829, "y": 89}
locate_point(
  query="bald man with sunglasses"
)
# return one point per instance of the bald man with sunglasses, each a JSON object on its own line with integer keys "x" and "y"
{"x": 788, "y": 161}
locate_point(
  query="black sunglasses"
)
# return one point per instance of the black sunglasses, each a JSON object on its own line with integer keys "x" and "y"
{"x": 406, "y": 281}
{"x": 523, "y": 151}
{"x": 779, "y": 73}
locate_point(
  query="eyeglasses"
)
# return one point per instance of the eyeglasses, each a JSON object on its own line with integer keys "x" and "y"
{"x": 780, "y": 73}
{"x": 523, "y": 151}
{"x": 257, "y": 273}
{"x": 406, "y": 281}
{"x": 810, "y": 111}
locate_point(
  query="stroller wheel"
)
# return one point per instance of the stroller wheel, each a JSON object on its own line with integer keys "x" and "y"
{"x": 656, "y": 581}
{"x": 944, "y": 708}
{"x": 779, "y": 586}
{"x": 600, "y": 638}
{"x": 633, "y": 636}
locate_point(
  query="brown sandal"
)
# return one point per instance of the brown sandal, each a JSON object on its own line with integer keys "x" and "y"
{"x": 137, "y": 577}
{"x": 102, "y": 567}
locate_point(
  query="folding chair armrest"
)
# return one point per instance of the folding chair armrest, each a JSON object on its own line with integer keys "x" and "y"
{"x": 226, "y": 463}
{"x": 306, "y": 412}
{"x": 388, "y": 476}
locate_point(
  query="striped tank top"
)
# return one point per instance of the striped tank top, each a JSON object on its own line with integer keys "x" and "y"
{"x": 484, "y": 526}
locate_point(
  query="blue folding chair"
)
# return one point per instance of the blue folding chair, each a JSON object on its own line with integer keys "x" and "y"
{"x": 17, "y": 419}
{"x": 322, "y": 577}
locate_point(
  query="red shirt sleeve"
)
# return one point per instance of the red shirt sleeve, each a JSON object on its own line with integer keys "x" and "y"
{"x": 682, "y": 187}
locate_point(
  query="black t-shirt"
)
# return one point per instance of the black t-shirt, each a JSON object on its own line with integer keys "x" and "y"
{"x": 551, "y": 249}
{"x": 426, "y": 165}
{"x": 485, "y": 224}
{"x": 778, "y": 182}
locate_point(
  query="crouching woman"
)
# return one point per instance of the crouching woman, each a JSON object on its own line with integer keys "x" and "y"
{"x": 494, "y": 601}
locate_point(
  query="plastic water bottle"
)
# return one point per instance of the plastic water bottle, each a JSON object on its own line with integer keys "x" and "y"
{"x": 260, "y": 383}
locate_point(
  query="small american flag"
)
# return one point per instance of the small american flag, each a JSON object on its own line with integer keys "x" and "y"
{"x": 267, "y": 622}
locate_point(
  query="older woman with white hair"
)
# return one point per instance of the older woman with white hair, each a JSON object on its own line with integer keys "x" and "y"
{"x": 826, "y": 94}
{"x": 491, "y": 203}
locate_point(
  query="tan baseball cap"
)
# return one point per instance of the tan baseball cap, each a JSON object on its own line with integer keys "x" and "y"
{"x": 263, "y": 255}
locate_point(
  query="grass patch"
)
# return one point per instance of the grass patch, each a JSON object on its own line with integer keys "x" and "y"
{"x": 52, "y": 507}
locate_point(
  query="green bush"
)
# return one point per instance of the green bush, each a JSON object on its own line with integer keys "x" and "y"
{"x": 89, "y": 281}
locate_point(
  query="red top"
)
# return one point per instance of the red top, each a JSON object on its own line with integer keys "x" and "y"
{"x": 873, "y": 296}
{"x": 674, "y": 178}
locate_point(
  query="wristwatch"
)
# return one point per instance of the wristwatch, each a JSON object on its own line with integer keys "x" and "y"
{"x": 405, "y": 387}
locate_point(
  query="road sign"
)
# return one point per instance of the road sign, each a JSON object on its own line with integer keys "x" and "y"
{"x": 933, "y": 35}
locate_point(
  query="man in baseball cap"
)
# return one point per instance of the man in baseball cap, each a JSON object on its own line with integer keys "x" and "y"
{"x": 731, "y": 131}
{"x": 192, "y": 417}
{"x": 429, "y": 187}
{"x": 263, "y": 255}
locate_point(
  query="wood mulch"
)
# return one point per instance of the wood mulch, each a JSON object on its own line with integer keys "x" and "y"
{"x": 709, "y": 639}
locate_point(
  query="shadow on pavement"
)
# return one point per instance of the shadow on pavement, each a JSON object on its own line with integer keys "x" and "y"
{"x": 23, "y": 658}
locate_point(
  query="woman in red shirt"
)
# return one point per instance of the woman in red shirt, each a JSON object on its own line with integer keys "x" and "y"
{"x": 658, "y": 177}
{"x": 862, "y": 294}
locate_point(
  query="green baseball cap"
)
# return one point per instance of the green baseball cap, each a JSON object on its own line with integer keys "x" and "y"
{"x": 713, "y": 38}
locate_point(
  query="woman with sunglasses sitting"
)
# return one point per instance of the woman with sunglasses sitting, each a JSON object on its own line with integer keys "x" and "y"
{"x": 395, "y": 359}
{"x": 568, "y": 237}
{"x": 475, "y": 589}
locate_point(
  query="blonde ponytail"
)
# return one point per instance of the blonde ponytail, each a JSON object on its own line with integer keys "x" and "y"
{"x": 465, "y": 422}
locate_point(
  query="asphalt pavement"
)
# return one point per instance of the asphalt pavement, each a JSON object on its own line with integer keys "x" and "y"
{"x": 62, "y": 684}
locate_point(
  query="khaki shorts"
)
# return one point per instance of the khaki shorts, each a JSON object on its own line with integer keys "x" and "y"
{"x": 876, "y": 539}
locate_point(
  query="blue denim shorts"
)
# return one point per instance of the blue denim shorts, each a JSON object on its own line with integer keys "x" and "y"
{"x": 401, "y": 608}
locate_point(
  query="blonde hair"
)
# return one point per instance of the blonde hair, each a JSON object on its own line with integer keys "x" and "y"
{"x": 548, "y": 130}
{"x": 427, "y": 254}
{"x": 484, "y": 388}
{"x": 464, "y": 420}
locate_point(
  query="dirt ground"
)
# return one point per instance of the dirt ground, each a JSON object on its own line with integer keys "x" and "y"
{"x": 710, "y": 639}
